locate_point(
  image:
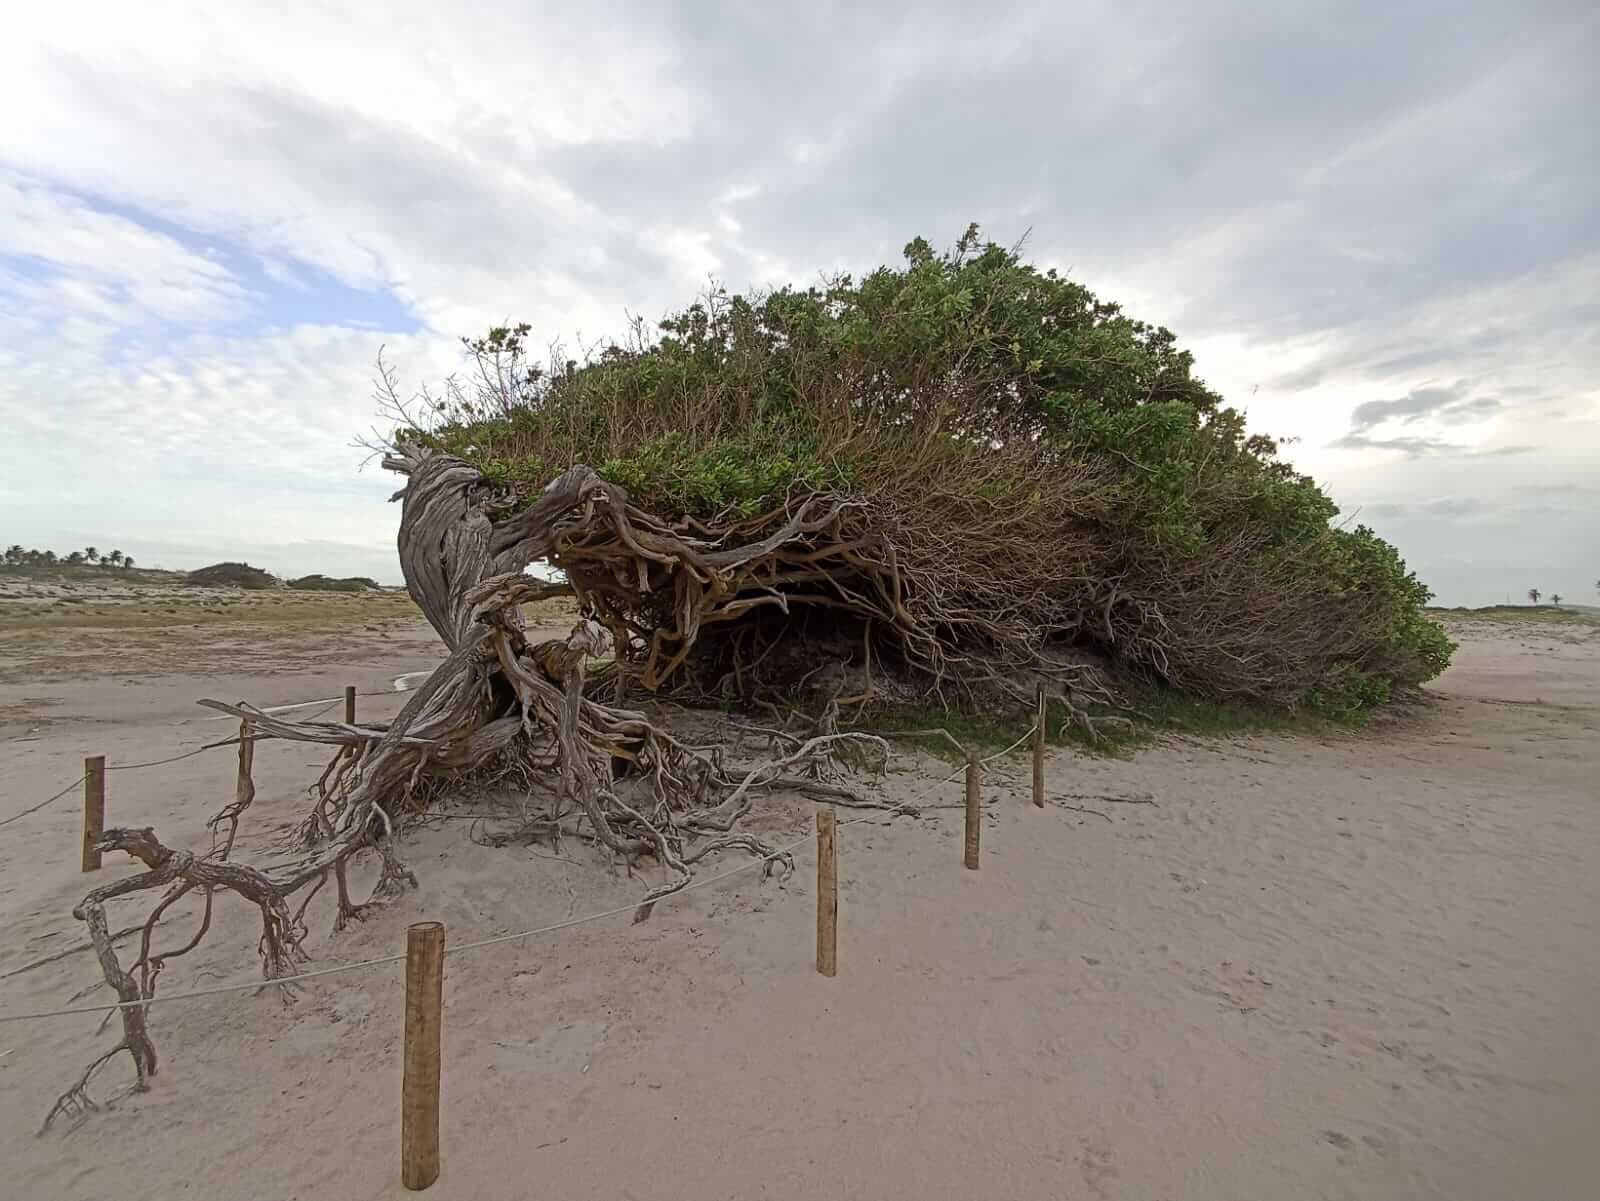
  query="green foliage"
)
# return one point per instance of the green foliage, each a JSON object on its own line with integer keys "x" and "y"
{"x": 322, "y": 583}
{"x": 1545, "y": 614}
{"x": 18, "y": 556}
{"x": 1155, "y": 711}
{"x": 1219, "y": 571}
{"x": 746, "y": 475}
{"x": 232, "y": 575}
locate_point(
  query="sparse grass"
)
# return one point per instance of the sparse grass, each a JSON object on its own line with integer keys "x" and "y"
{"x": 308, "y": 609}
{"x": 1549, "y": 614}
{"x": 91, "y": 573}
{"x": 193, "y": 635}
{"x": 1153, "y": 712}
{"x": 322, "y": 583}
{"x": 560, "y": 610}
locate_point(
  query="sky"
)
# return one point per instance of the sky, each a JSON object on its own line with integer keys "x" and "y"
{"x": 1374, "y": 224}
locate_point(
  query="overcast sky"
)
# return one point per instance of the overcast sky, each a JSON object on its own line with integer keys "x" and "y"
{"x": 1376, "y": 225}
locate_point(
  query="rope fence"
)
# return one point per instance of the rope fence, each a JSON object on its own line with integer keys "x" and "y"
{"x": 210, "y": 746}
{"x": 47, "y": 801}
{"x": 257, "y": 984}
{"x": 426, "y": 948}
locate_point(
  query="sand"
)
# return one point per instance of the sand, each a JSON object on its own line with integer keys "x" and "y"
{"x": 1361, "y": 966}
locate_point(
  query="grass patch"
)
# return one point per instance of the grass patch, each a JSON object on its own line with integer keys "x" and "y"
{"x": 1550, "y": 614}
{"x": 310, "y": 609}
{"x": 89, "y": 573}
{"x": 1153, "y": 712}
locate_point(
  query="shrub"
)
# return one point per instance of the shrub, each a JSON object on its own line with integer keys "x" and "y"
{"x": 322, "y": 583}
{"x": 232, "y": 575}
{"x": 1045, "y": 469}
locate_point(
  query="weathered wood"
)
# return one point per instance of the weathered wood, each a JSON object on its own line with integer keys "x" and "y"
{"x": 974, "y": 812}
{"x": 419, "y": 1089}
{"x": 827, "y": 891}
{"x": 501, "y": 695}
{"x": 244, "y": 788}
{"x": 94, "y": 809}
{"x": 1038, "y": 751}
{"x": 350, "y": 704}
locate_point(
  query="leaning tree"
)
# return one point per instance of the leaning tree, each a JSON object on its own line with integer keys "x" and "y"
{"x": 950, "y": 483}
{"x": 498, "y": 704}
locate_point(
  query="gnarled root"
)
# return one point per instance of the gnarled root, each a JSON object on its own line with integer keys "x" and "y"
{"x": 279, "y": 944}
{"x": 611, "y": 773}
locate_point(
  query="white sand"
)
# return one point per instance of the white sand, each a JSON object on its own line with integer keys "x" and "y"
{"x": 1361, "y": 967}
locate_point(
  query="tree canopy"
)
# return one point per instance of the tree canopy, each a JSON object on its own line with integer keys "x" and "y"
{"x": 1043, "y": 467}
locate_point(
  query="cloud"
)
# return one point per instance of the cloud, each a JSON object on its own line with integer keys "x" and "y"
{"x": 1449, "y": 507}
{"x": 1374, "y": 224}
{"x": 1414, "y": 446}
{"x": 74, "y": 272}
{"x": 1574, "y": 490}
{"x": 1444, "y": 404}
{"x": 1439, "y": 406}
{"x": 1479, "y": 549}
{"x": 1408, "y": 444}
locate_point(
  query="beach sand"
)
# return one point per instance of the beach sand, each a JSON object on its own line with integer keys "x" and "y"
{"x": 1354, "y": 966}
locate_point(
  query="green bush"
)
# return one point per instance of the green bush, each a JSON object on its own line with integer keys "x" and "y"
{"x": 232, "y": 575}
{"x": 322, "y": 583}
{"x": 1197, "y": 557}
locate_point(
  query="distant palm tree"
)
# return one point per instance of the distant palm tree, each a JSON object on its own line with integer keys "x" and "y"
{"x": 1555, "y": 598}
{"x": 1534, "y": 594}
{"x": 127, "y": 562}
{"x": 91, "y": 554}
{"x": 14, "y": 554}
{"x": 75, "y": 558}
{"x": 48, "y": 558}
{"x": 113, "y": 557}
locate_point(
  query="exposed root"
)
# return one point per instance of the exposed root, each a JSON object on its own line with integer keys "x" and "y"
{"x": 501, "y": 704}
{"x": 183, "y": 872}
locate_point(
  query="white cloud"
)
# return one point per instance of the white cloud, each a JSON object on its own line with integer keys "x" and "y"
{"x": 96, "y": 265}
{"x": 1331, "y": 207}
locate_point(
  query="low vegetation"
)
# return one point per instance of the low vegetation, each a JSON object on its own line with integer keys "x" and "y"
{"x": 1554, "y": 614}
{"x": 233, "y": 575}
{"x": 322, "y": 583}
{"x": 19, "y": 557}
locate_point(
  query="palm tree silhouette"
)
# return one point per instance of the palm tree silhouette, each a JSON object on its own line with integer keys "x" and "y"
{"x": 1534, "y": 594}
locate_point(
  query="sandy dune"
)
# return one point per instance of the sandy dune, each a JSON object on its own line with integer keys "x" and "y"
{"x": 1356, "y": 967}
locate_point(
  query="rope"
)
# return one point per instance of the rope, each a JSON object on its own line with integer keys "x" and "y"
{"x": 959, "y": 772}
{"x": 46, "y": 801}
{"x": 157, "y": 762}
{"x": 1013, "y": 746}
{"x": 163, "y": 762}
{"x": 109, "y": 767}
{"x": 246, "y": 985}
{"x": 331, "y": 702}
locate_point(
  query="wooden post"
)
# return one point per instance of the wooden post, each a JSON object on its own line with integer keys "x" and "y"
{"x": 350, "y": 704}
{"x": 419, "y": 1089}
{"x": 244, "y": 789}
{"x": 1038, "y": 751}
{"x": 94, "y": 809}
{"x": 827, "y": 892}
{"x": 974, "y": 813}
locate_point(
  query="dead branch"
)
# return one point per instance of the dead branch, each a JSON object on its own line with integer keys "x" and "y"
{"x": 500, "y": 703}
